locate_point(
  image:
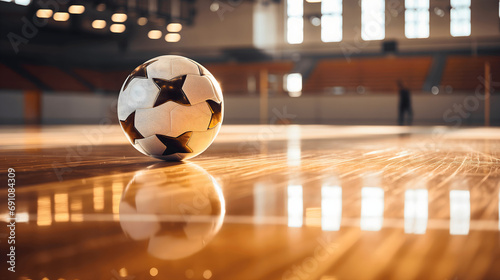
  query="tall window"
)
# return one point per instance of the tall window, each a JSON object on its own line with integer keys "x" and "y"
{"x": 331, "y": 20}
{"x": 417, "y": 18}
{"x": 460, "y": 18}
{"x": 295, "y": 21}
{"x": 372, "y": 19}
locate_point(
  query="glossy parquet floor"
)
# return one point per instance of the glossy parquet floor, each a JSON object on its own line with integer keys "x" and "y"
{"x": 263, "y": 202}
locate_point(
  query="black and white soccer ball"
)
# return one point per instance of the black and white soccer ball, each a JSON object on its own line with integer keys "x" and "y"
{"x": 171, "y": 108}
{"x": 178, "y": 210}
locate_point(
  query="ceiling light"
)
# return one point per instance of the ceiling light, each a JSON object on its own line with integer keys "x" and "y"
{"x": 99, "y": 24}
{"x": 172, "y": 37}
{"x": 61, "y": 16}
{"x": 142, "y": 21}
{"x": 117, "y": 28}
{"x": 44, "y": 13}
{"x": 154, "y": 34}
{"x": 174, "y": 27}
{"x": 119, "y": 17}
{"x": 76, "y": 9}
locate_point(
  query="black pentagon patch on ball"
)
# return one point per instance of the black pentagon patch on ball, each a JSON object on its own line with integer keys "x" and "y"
{"x": 176, "y": 144}
{"x": 216, "y": 109}
{"x": 139, "y": 72}
{"x": 171, "y": 90}
{"x": 128, "y": 126}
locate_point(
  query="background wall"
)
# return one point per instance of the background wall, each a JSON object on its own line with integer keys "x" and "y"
{"x": 11, "y": 107}
{"x": 242, "y": 24}
{"x": 346, "y": 109}
{"x": 484, "y": 17}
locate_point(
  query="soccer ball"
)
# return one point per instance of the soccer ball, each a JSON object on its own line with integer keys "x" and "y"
{"x": 170, "y": 108}
{"x": 178, "y": 210}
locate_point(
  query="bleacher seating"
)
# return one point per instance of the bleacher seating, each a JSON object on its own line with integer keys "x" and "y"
{"x": 467, "y": 72}
{"x": 55, "y": 78}
{"x": 374, "y": 74}
{"x": 233, "y": 77}
{"x": 110, "y": 81}
{"x": 12, "y": 80}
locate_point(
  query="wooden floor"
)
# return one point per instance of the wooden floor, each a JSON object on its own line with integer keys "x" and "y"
{"x": 263, "y": 202}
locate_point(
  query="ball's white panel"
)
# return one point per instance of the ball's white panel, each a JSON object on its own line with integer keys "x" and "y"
{"x": 168, "y": 247}
{"x": 171, "y": 66}
{"x": 140, "y": 149}
{"x": 189, "y": 118}
{"x": 147, "y": 200}
{"x": 217, "y": 88}
{"x": 151, "y": 145}
{"x": 155, "y": 120}
{"x": 136, "y": 229}
{"x": 140, "y": 93}
{"x": 183, "y": 67}
{"x": 200, "y": 140}
{"x": 198, "y": 89}
{"x": 215, "y": 83}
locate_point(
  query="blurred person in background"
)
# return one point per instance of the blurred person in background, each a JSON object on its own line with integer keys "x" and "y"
{"x": 404, "y": 107}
